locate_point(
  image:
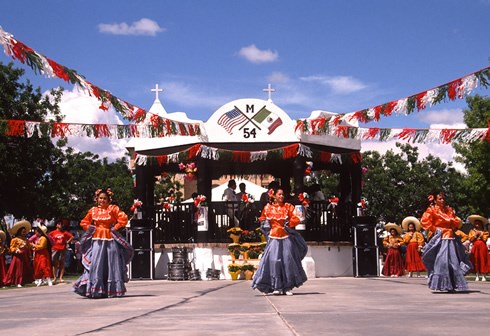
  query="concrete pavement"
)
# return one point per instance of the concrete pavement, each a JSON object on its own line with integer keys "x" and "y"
{"x": 323, "y": 306}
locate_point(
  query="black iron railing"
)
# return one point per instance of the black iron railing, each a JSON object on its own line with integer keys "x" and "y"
{"x": 324, "y": 222}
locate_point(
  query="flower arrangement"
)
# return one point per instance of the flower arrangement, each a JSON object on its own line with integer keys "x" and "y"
{"x": 234, "y": 267}
{"x": 235, "y": 230}
{"x": 190, "y": 170}
{"x": 250, "y": 236}
{"x": 254, "y": 251}
{"x": 247, "y": 267}
{"x": 247, "y": 198}
{"x": 167, "y": 205}
{"x": 304, "y": 198}
{"x": 234, "y": 250}
{"x": 200, "y": 200}
{"x": 136, "y": 205}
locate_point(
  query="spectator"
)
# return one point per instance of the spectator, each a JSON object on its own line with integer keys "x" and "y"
{"x": 61, "y": 238}
{"x": 3, "y": 269}
{"x": 229, "y": 195}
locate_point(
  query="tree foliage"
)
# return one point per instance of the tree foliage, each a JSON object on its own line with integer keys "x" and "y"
{"x": 397, "y": 185}
{"x": 40, "y": 178}
{"x": 476, "y": 157}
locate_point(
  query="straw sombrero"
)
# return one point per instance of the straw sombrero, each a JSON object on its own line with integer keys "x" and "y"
{"x": 3, "y": 236}
{"x": 23, "y": 223}
{"x": 390, "y": 226}
{"x": 43, "y": 228}
{"x": 473, "y": 218}
{"x": 411, "y": 219}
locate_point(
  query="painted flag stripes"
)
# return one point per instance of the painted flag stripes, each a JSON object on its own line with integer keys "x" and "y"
{"x": 231, "y": 119}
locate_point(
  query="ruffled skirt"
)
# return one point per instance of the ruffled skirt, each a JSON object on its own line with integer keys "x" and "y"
{"x": 42, "y": 264}
{"x": 105, "y": 266}
{"x": 413, "y": 261}
{"x": 20, "y": 270}
{"x": 479, "y": 257}
{"x": 280, "y": 268}
{"x": 393, "y": 264}
{"x": 446, "y": 263}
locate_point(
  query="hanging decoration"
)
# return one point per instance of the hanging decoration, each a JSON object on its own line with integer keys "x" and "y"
{"x": 49, "y": 68}
{"x": 26, "y": 128}
{"x": 237, "y": 156}
{"x": 457, "y": 89}
{"x": 190, "y": 170}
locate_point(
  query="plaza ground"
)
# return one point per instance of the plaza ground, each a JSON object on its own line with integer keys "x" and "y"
{"x": 323, "y": 306}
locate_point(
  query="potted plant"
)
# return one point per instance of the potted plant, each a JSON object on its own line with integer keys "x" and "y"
{"x": 234, "y": 250}
{"x": 254, "y": 252}
{"x": 248, "y": 270}
{"x": 235, "y": 233}
{"x": 234, "y": 270}
{"x": 244, "y": 250}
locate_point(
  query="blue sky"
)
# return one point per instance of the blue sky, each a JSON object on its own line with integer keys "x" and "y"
{"x": 339, "y": 56}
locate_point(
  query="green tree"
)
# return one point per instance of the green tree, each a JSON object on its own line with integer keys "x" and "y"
{"x": 397, "y": 185}
{"x": 25, "y": 161}
{"x": 476, "y": 157}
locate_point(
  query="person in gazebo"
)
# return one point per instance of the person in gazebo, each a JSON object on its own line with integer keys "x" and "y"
{"x": 280, "y": 269}
{"x": 478, "y": 236}
{"x": 414, "y": 241}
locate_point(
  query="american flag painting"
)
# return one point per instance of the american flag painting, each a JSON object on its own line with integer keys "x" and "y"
{"x": 231, "y": 119}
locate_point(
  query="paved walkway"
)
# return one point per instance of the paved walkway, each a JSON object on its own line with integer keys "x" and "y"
{"x": 323, "y": 306}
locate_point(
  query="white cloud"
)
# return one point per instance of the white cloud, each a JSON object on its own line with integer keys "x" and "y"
{"x": 79, "y": 107}
{"x": 143, "y": 26}
{"x": 187, "y": 96}
{"x": 444, "y": 116}
{"x": 338, "y": 84}
{"x": 277, "y": 77}
{"x": 255, "y": 55}
{"x": 445, "y": 152}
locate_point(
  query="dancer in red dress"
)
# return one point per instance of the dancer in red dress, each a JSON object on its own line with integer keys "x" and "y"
{"x": 414, "y": 241}
{"x": 479, "y": 253}
{"x": 393, "y": 265}
{"x": 20, "y": 270}
{"x": 42, "y": 258}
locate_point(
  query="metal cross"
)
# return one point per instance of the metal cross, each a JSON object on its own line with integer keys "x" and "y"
{"x": 156, "y": 90}
{"x": 269, "y": 90}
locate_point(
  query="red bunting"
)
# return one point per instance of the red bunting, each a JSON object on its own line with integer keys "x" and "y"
{"x": 102, "y": 130}
{"x": 60, "y": 129}
{"x": 371, "y": 133}
{"x": 16, "y": 128}
{"x": 325, "y": 157}
{"x": 241, "y": 156}
{"x": 356, "y": 157}
{"x": 194, "y": 150}
{"x": 290, "y": 151}
{"x": 406, "y": 134}
{"x": 162, "y": 159}
{"x": 447, "y": 135}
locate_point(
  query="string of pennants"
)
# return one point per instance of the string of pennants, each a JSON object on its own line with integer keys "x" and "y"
{"x": 456, "y": 89}
{"x": 23, "y": 128}
{"x": 213, "y": 153}
{"x": 159, "y": 127}
{"x": 45, "y": 66}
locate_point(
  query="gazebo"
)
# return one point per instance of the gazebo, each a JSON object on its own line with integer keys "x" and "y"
{"x": 244, "y": 137}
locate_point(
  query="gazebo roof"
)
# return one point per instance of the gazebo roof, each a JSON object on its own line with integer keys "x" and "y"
{"x": 243, "y": 125}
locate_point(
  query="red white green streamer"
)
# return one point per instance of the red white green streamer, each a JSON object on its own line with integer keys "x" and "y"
{"x": 49, "y": 68}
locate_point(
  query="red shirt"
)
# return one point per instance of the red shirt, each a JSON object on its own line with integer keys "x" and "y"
{"x": 60, "y": 239}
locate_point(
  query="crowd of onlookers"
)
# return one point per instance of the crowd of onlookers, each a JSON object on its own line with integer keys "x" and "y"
{"x": 34, "y": 254}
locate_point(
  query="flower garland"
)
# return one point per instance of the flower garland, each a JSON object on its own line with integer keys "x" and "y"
{"x": 304, "y": 198}
{"x": 190, "y": 170}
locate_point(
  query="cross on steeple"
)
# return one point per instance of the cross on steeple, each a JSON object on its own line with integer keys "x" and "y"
{"x": 269, "y": 90}
{"x": 156, "y": 90}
